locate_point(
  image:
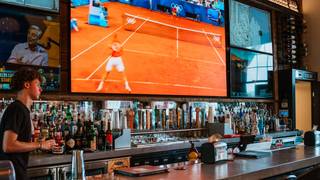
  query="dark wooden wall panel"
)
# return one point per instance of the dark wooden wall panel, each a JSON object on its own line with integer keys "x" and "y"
{"x": 65, "y": 47}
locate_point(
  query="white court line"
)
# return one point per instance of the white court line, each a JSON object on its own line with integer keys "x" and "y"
{"x": 169, "y": 25}
{"x": 93, "y": 45}
{"x": 110, "y": 55}
{"x": 178, "y": 28}
{"x": 222, "y": 47}
{"x": 198, "y": 60}
{"x": 166, "y": 55}
{"x": 214, "y": 48}
{"x": 148, "y": 83}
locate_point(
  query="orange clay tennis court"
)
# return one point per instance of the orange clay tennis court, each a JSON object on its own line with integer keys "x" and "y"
{"x": 156, "y": 60}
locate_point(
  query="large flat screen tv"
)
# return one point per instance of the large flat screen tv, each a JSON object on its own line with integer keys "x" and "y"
{"x": 251, "y": 74}
{"x": 251, "y": 53}
{"x": 29, "y": 38}
{"x": 250, "y": 27}
{"x": 150, "y": 47}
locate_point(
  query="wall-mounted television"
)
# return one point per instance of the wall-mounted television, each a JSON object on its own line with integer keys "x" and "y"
{"x": 251, "y": 74}
{"x": 29, "y": 39}
{"x": 159, "y": 47}
{"x": 51, "y": 5}
{"x": 250, "y": 27}
{"x": 251, "y": 54}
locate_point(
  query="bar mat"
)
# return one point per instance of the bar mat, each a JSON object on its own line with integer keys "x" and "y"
{"x": 253, "y": 154}
{"x": 141, "y": 170}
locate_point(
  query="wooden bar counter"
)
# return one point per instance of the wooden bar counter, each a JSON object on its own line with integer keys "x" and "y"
{"x": 46, "y": 159}
{"x": 280, "y": 162}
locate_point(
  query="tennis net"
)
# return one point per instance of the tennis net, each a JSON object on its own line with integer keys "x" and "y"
{"x": 151, "y": 27}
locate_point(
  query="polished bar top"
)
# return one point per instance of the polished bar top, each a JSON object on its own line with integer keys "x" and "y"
{"x": 45, "y": 159}
{"x": 282, "y": 161}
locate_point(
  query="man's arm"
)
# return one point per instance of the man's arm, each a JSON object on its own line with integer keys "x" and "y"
{"x": 12, "y": 145}
{"x": 45, "y": 60}
{"x": 13, "y": 57}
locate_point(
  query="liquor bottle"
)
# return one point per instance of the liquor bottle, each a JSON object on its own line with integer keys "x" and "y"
{"x": 184, "y": 116}
{"x": 75, "y": 113}
{"x": 227, "y": 117}
{"x": 45, "y": 131}
{"x": 46, "y": 109}
{"x": 170, "y": 119}
{"x": 68, "y": 113}
{"x": 290, "y": 42}
{"x": 70, "y": 142}
{"x": 86, "y": 127}
{"x": 179, "y": 114}
{"x": 79, "y": 125}
{"x": 174, "y": 118}
{"x": 73, "y": 127}
{"x": 36, "y": 135}
{"x": 148, "y": 119}
{"x": 53, "y": 113}
{"x": 78, "y": 137}
{"x": 203, "y": 117}
{"x": 116, "y": 119}
{"x": 123, "y": 119}
{"x": 140, "y": 122}
{"x": 190, "y": 112}
{"x": 193, "y": 153}
{"x": 102, "y": 138}
{"x": 272, "y": 124}
{"x": 287, "y": 37}
{"x": 35, "y": 121}
{"x": 84, "y": 140}
{"x": 40, "y": 114}
{"x": 197, "y": 124}
{"x": 92, "y": 138}
{"x": 40, "y": 139}
{"x": 157, "y": 117}
{"x": 59, "y": 110}
{"x": 58, "y": 133}
{"x": 144, "y": 119}
{"x": 66, "y": 130}
{"x": 109, "y": 137}
{"x": 160, "y": 119}
{"x": 130, "y": 118}
{"x": 136, "y": 115}
{"x": 59, "y": 148}
{"x": 153, "y": 119}
{"x": 164, "y": 118}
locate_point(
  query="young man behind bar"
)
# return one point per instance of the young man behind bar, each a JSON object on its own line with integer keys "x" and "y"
{"x": 15, "y": 125}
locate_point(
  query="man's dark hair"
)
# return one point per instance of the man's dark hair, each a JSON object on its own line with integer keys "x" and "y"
{"x": 23, "y": 75}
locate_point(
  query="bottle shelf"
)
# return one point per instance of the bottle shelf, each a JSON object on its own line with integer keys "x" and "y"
{"x": 135, "y": 133}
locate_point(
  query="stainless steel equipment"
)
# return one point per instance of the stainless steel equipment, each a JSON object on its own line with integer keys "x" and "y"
{"x": 42, "y": 173}
{"x": 92, "y": 168}
{"x": 77, "y": 169}
{"x": 123, "y": 139}
{"x": 7, "y": 170}
{"x": 220, "y": 149}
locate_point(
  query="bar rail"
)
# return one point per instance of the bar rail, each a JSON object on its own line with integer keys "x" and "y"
{"x": 279, "y": 163}
{"x": 45, "y": 159}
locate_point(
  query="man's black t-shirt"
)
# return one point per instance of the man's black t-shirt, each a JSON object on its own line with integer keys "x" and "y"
{"x": 17, "y": 119}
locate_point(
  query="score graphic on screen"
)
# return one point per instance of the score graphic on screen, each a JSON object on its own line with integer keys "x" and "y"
{"x": 168, "y": 47}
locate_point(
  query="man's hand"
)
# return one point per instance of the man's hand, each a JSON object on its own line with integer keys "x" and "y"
{"x": 19, "y": 60}
{"x": 47, "y": 145}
